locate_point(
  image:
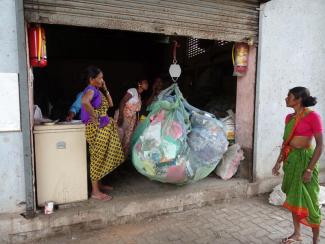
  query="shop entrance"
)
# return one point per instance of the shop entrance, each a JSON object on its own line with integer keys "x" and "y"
{"x": 123, "y": 56}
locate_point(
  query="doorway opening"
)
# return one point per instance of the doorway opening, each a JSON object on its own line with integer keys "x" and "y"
{"x": 123, "y": 56}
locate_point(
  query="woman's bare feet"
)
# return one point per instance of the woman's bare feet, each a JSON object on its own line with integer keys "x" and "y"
{"x": 97, "y": 194}
{"x": 100, "y": 196}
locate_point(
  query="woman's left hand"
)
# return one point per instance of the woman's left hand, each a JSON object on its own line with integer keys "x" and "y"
{"x": 307, "y": 176}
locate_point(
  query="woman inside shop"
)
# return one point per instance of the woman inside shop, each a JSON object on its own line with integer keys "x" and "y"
{"x": 300, "y": 163}
{"x": 127, "y": 115}
{"x": 101, "y": 131}
{"x": 157, "y": 87}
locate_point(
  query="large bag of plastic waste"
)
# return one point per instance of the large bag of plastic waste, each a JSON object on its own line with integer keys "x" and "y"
{"x": 230, "y": 162}
{"x": 177, "y": 143}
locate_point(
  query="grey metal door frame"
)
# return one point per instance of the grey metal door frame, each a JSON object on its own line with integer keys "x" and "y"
{"x": 25, "y": 111}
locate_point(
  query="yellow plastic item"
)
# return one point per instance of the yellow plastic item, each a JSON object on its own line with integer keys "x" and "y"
{"x": 147, "y": 166}
{"x": 230, "y": 135}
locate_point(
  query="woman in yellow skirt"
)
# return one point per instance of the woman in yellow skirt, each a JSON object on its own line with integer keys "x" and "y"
{"x": 101, "y": 131}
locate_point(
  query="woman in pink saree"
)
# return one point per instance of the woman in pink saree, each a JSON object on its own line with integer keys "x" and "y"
{"x": 128, "y": 114}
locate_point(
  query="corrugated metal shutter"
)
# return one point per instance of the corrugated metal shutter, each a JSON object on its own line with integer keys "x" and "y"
{"x": 230, "y": 20}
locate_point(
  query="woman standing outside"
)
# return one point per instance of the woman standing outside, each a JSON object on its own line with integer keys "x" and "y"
{"x": 128, "y": 113}
{"x": 300, "y": 163}
{"x": 101, "y": 131}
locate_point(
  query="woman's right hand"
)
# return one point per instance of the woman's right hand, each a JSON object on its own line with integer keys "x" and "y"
{"x": 276, "y": 168}
{"x": 70, "y": 116}
{"x": 104, "y": 87}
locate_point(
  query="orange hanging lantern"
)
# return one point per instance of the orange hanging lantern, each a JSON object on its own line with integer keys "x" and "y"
{"x": 37, "y": 46}
{"x": 240, "y": 53}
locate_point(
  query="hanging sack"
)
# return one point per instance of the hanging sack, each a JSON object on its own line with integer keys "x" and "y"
{"x": 177, "y": 143}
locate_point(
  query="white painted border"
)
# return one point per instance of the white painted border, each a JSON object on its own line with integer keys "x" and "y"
{"x": 9, "y": 102}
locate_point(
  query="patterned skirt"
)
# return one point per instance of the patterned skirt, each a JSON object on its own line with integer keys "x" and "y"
{"x": 105, "y": 149}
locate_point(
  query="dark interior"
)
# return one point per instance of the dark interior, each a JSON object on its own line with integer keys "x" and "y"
{"x": 124, "y": 57}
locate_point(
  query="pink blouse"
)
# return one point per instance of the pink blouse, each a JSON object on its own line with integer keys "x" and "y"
{"x": 310, "y": 125}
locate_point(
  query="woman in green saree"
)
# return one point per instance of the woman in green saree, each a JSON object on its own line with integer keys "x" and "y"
{"x": 300, "y": 163}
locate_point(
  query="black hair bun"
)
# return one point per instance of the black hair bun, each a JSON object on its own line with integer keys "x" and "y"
{"x": 309, "y": 101}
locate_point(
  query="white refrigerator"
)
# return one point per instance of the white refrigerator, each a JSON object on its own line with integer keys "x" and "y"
{"x": 60, "y": 163}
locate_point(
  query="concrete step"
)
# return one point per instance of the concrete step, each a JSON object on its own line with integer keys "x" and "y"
{"x": 134, "y": 199}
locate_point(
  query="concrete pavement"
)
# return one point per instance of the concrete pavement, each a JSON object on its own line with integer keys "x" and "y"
{"x": 236, "y": 221}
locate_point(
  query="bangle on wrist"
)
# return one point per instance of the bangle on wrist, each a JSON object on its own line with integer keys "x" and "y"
{"x": 309, "y": 170}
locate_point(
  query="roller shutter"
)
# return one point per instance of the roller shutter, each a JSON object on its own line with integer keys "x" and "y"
{"x": 229, "y": 20}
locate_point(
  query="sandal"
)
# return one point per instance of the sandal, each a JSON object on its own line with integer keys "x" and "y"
{"x": 103, "y": 197}
{"x": 289, "y": 240}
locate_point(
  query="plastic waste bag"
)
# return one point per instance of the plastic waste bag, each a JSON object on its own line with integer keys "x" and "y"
{"x": 207, "y": 142}
{"x": 230, "y": 162}
{"x": 277, "y": 196}
{"x": 177, "y": 143}
{"x": 229, "y": 123}
{"x": 38, "y": 117}
{"x": 321, "y": 195}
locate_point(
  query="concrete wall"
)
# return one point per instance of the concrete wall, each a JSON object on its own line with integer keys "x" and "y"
{"x": 291, "y": 53}
{"x": 12, "y": 185}
{"x": 245, "y": 114}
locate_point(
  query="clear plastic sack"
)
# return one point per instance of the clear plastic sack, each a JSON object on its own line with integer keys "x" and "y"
{"x": 230, "y": 162}
{"x": 277, "y": 197}
{"x": 177, "y": 143}
{"x": 38, "y": 117}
